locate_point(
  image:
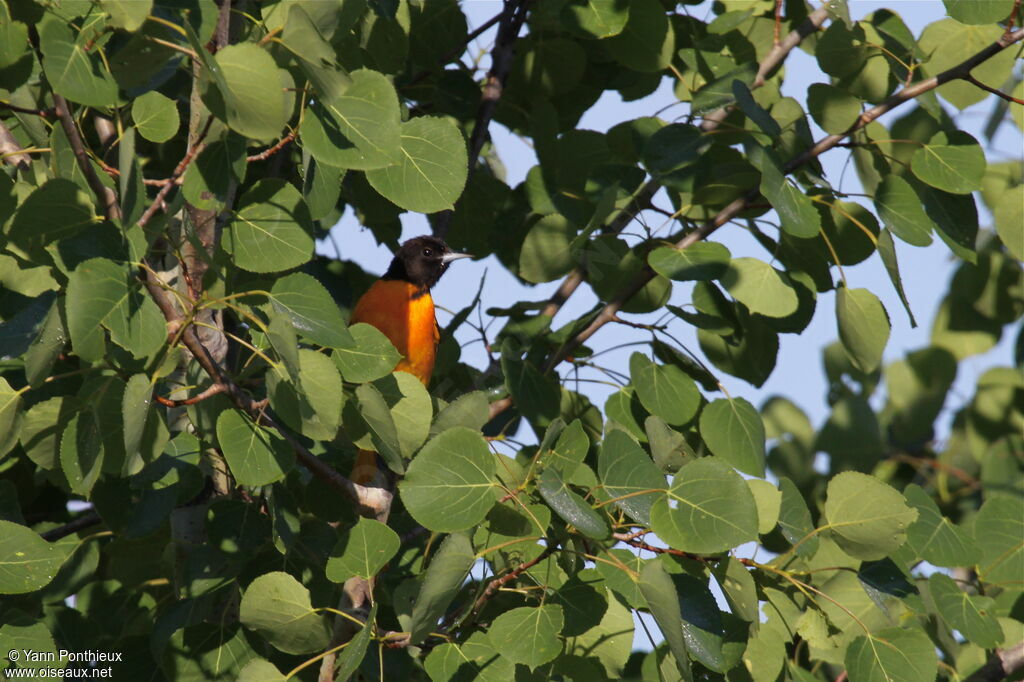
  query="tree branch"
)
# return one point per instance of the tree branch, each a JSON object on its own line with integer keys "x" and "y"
{"x": 459, "y": 49}
{"x": 11, "y": 151}
{"x": 998, "y": 93}
{"x": 90, "y": 518}
{"x": 104, "y": 195}
{"x": 502, "y": 56}
{"x": 1001, "y": 664}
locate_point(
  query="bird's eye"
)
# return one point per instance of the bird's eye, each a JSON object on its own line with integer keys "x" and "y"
{"x": 427, "y": 253}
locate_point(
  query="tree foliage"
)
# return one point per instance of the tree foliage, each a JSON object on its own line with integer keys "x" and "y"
{"x": 181, "y": 400}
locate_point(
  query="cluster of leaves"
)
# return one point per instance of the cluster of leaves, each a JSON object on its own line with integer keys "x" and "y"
{"x": 231, "y": 138}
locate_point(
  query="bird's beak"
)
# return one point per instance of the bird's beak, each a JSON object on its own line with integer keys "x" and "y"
{"x": 449, "y": 257}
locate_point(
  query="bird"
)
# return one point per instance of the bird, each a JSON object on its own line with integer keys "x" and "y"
{"x": 399, "y": 304}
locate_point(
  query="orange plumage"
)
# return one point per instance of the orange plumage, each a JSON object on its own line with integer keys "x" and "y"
{"x": 405, "y": 314}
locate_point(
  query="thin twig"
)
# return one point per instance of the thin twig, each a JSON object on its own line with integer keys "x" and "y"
{"x": 209, "y": 392}
{"x": 106, "y": 196}
{"x": 998, "y": 93}
{"x": 90, "y": 518}
{"x": 500, "y": 582}
{"x": 179, "y": 171}
{"x": 42, "y": 113}
{"x": 267, "y": 153}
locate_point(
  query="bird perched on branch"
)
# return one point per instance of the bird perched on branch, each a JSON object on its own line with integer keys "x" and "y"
{"x": 400, "y": 306}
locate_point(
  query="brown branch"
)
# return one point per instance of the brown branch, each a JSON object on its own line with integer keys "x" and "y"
{"x": 149, "y": 182}
{"x": 104, "y": 195}
{"x": 179, "y": 171}
{"x": 90, "y": 518}
{"x": 11, "y": 151}
{"x": 1013, "y": 18}
{"x": 998, "y": 93}
{"x": 1002, "y": 664}
{"x": 267, "y": 153}
{"x": 42, "y": 113}
{"x": 209, "y": 392}
{"x": 511, "y": 22}
{"x": 498, "y": 583}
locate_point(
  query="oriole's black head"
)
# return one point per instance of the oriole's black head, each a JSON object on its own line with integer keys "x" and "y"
{"x": 422, "y": 261}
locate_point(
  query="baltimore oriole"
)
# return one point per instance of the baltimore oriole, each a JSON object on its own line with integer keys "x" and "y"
{"x": 399, "y": 305}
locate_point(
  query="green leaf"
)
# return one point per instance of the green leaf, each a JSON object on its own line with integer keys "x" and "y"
{"x": 999, "y": 527}
{"x": 703, "y": 260}
{"x": 733, "y": 430}
{"x": 1009, "y": 217}
{"x": 754, "y": 111}
{"x": 349, "y": 659}
{"x": 10, "y": 416}
{"x": 431, "y": 172}
{"x": 82, "y": 453}
{"x": 370, "y": 356}
{"x": 596, "y": 18}
{"x": 216, "y": 172}
{"x": 311, "y": 406}
{"x": 795, "y": 519}
{"x": 102, "y": 295}
{"x": 952, "y": 162}
{"x": 450, "y": 484}
{"x": 253, "y": 100}
{"x": 470, "y": 410}
{"x": 978, "y": 11}
{"x": 572, "y": 508}
{"x": 155, "y": 116}
{"x": 971, "y": 615}
{"x": 475, "y": 658}
{"x": 863, "y": 327}
{"x": 313, "y": 313}
{"x": 271, "y": 230}
{"x": 27, "y": 562}
{"x": 955, "y": 216}
{"x": 256, "y": 455}
{"x": 665, "y": 390}
{"x": 383, "y": 432}
{"x": 887, "y": 252}
{"x": 535, "y": 395}
{"x": 358, "y": 129}
{"x": 669, "y": 448}
{"x": 362, "y": 550}
{"x": 900, "y": 209}
{"x": 708, "y": 509}
{"x": 647, "y": 42}
{"x": 441, "y": 582}
{"x": 55, "y": 211}
{"x": 546, "y": 252}
{"x": 138, "y": 396}
{"x": 673, "y": 147}
{"x": 570, "y": 450}
{"x": 842, "y": 49}
{"x": 528, "y": 635}
{"x": 260, "y": 670}
{"x": 834, "y": 109}
{"x": 626, "y": 470}
{"x": 277, "y": 607}
{"x": 905, "y": 654}
{"x": 760, "y": 287}
{"x": 768, "y": 499}
{"x": 796, "y": 212}
{"x": 127, "y": 14}
{"x": 72, "y": 70}
{"x": 410, "y": 409}
{"x": 663, "y": 600}
{"x": 868, "y": 518}
{"x": 751, "y": 357}
{"x": 935, "y": 538}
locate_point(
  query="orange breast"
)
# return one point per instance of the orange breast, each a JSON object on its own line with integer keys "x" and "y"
{"x": 407, "y": 320}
